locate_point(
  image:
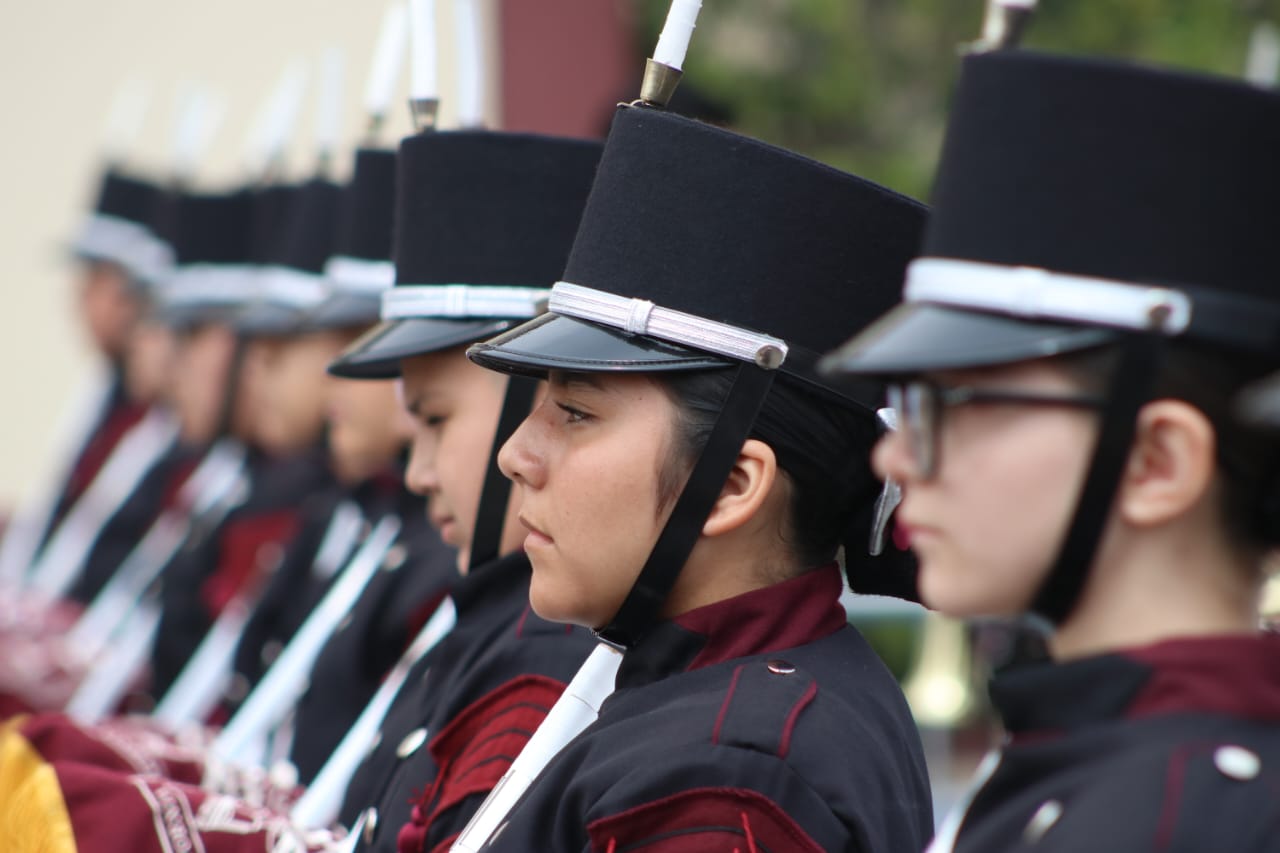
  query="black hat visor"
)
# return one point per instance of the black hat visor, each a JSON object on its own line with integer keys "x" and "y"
{"x": 377, "y": 353}
{"x": 557, "y": 342}
{"x": 917, "y": 337}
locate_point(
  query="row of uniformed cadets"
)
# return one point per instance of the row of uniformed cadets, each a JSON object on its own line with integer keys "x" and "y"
{"x": 1077, "y": 432}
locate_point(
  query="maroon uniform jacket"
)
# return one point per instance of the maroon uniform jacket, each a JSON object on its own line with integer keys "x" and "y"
{"x": 1169, "y": 747}
{"x": 760, "y": 723}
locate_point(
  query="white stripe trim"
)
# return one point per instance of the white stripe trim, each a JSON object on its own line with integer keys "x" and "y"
{"x": 128, "y": 243}
{"x": 360, "y": 275}
{"x": 291, "y": 288}
{"x": 1046, "y": 295}
{"x": 456, "y": 301}
{"x": 211, "y": 284}
{"x": 641, "y": 317}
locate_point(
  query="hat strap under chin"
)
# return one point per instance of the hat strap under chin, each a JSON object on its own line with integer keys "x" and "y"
{"x": 641, "y": 609}
{"x": 1130, "y": 389}
{"x": 486, "y": 538}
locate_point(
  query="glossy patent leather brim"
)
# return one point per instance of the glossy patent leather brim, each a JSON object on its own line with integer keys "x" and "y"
{"x": 377, "y": 353}
{"x": 918, "y": 338}
{"x": 555, "y": 342}
{"x": 344, "y": 310}
{"x": 270, "y": 321}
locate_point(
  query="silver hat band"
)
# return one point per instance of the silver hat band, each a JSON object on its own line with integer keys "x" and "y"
{"x": 291, "y": 288}
{"x": 211, "y": 284}
{"x": 1039, "y": 294}
{"x": 128, "y": 243}
{"x": 460, "y": 301}
{"x": 360, "y": 275}
{"x": 641, "y": 317}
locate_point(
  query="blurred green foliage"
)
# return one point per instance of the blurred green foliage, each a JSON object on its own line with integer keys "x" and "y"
{"x": 863, "y": 84}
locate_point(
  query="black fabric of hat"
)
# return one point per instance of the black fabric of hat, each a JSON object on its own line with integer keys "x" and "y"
{"x": 363, "y": 241}
{"x": 269, "y": 219}
{"x": 1103, "y": 170}
{"x": 475, "y": 208}
{"x": 210, "y": 236}
{"x": 306, "y": 240}
{"x": 120, "y": 228}
{"x": 711, "y": 223}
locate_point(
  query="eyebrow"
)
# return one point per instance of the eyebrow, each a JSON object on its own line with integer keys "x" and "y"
{"x": 567, "y": 378}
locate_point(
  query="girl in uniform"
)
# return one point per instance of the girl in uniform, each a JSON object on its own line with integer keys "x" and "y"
{"x": 1096, "y": 285}
{"x": 686, "y": 485}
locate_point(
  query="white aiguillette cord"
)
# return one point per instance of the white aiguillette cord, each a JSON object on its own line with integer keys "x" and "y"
{"x": 204, "y": 680}
{"x": 576, "y": 709}
{"x": 945, "y": 840}
{"x": 282, "y": 685}
{"x": 64, "y": 555}
{"x": 318, "y": 807}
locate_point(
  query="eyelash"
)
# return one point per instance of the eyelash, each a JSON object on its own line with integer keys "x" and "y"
{"x": 433, "y": 421}
{"x": 575, "y": 415}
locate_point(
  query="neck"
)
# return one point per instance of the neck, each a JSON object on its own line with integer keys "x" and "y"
{"x": 1182, "y": 581}
{"x": 725, "y": 567}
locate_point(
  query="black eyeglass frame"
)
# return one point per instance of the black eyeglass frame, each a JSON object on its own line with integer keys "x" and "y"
{"x": 919, "y": 405}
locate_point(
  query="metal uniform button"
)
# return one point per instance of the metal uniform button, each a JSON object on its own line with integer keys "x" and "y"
{"x": 396, "y": 555}
{"x": 1236, "y": 762}
{"x": 1042, "y": 821}
{"x": 270, "y": 651}
{"x": 412, "y": 742}
{"x": 238, "y": 689}
{"x": 370, "y": 824}
{"x": 780, "y": 667}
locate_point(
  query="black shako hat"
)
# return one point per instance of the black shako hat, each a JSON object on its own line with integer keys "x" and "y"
{"x": 121, "y": 229}
{"x": 1079, "y": 203}
{"x": 703, "y": 249}
{"x": 483, "y": 225}
{"x": 291, "y": 285}
{"x": 212, "y": 277}
{"x": 1078, "y": 200}
{"x": 360, "y": 268}
{"x": 700, "y": 248}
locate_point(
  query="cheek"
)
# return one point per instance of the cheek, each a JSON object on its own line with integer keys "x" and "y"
{"x": 1006, "y": 508}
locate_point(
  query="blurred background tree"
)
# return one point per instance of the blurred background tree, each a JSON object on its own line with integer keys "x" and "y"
{"x": 863, "y": 84}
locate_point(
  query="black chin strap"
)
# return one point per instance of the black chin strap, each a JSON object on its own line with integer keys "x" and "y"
{"x": 733, "y": 425}
{"x": 1129, "y": 391}
{"x": 227, "y": 405}
{"x": 492, "y": 512}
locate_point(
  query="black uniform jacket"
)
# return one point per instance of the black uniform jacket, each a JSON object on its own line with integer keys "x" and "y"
{"x": 243, "y": 549}
{"x": 760, "y": 723}
{"x": 132, "y": 520}
{"x": 111, "y": 423}
{"x": 416, "y": 575}
{"x": 1168, "y": 747}
{"x": 465, "y": 712}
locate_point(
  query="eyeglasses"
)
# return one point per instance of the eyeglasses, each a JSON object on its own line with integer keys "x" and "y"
{"x": 918, "y": 406}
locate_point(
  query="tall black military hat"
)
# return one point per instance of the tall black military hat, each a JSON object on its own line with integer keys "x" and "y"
{"x": 700, "y": 248}
{"x": 703, "y": 249}
{"x": 484, "y": 222}
{"x": 291, "y": 286}
{"x": 1081, "y": 203}
{"x": 1078, "y": 200}
{"x": 212, "y": 278}
{"x": 360, "y": 268}
{"x": 121, "y": 229}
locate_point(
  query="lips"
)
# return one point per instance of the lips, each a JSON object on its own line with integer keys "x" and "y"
{"x": 536, "y": 535}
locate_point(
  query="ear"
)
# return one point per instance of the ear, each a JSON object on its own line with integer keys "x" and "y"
{"x": 1171, "y": 464}
{"x": 745, "y": 492}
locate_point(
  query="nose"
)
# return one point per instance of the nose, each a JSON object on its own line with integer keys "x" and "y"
{"x": 420, "y": 476}
{"x": 519, "y": 459}
{"x": 891, "y": 458}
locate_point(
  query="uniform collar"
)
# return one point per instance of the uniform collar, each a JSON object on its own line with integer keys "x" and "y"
{"x": 782, "y": 616}
{"x": 1233, "y": 675}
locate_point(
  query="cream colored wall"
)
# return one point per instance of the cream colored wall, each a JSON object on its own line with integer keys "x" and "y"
{"x": 61, "y": 63}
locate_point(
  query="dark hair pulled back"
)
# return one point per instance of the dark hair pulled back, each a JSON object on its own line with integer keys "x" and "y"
{"x": 824, "y": 448}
